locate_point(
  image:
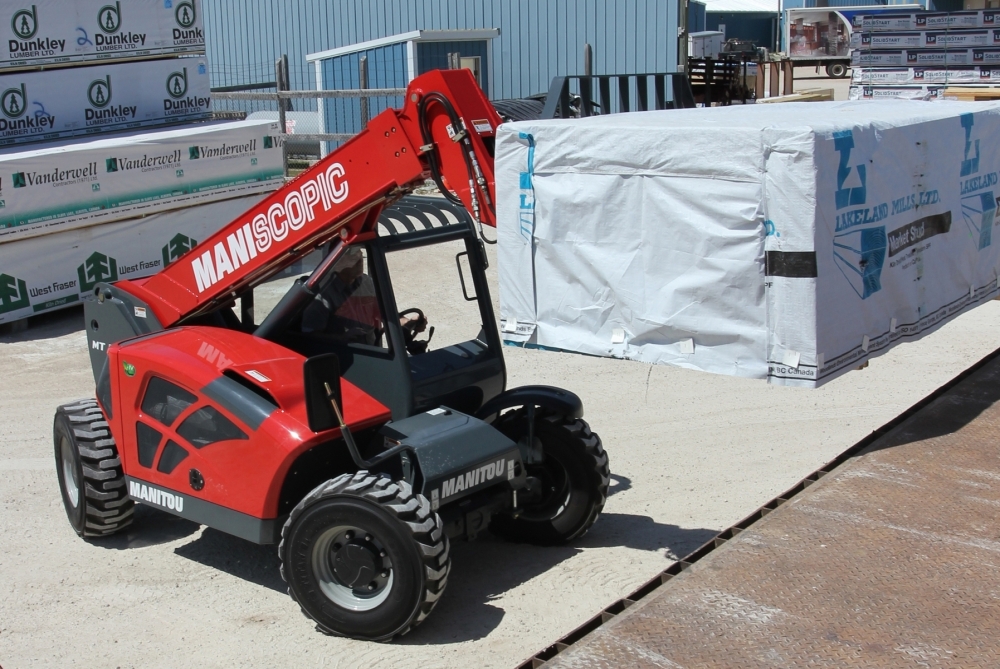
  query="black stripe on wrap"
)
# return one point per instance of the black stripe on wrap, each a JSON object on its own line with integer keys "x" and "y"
{"x": 792, "y": 264}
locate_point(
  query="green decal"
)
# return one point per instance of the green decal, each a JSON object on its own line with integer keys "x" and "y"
{"x": 179, "y": 173}
{"x": 194, "y": 153}
{"x": 99, "y": 92}
{"x": 98, "y": 267}
{"x": 111, "y": 165}
{"x": 25, "y": 23}
{"x": 109, "y": 18}
{"x": 268, "y": 142}
{"x": 129, "y": 368}
{"x": 13, "y": 293}
{"x": 176, "y": 247}
{"x": 19, "y": 181}
{"x": 185, "y": 14}
{"x": 177, "y": 84}
{"x": 253, "y": 161}
{"x": 95, "y": 187}
{"x": 13, "y": 102}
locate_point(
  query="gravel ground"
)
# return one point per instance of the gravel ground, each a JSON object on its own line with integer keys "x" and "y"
{"x": 691, "y": 454}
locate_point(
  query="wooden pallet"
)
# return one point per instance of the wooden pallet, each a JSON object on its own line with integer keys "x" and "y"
{"x": 969, "y": 94}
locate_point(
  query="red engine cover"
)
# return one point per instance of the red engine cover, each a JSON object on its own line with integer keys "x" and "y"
{"x": 243, "y": 474}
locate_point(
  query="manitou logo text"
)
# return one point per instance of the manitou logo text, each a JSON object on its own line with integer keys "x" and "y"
{"x": 299, "y": 207}
{"x": 469, "y": 480}
{"x": 147, "y": 493}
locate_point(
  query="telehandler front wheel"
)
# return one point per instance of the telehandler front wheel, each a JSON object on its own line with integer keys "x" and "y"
{"x": 89, "y": 470}
{"x": 573, "y": 478}
{"x": 364, "y": 556}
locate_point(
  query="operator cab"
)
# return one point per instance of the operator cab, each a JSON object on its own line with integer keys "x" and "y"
{"x": 358, "y": 304}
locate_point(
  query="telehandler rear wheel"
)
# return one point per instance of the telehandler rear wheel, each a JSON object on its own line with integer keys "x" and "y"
{"x": 364, "y": 556}
{"x": 89, "y": 470}
{"x": 574, "y": 479}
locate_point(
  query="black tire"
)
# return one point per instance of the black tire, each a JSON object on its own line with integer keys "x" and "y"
{"x": 91, "y": 479}
{"x": 836, "y": 70}
{"x": 574, "y": 477}
{"x": 402, "y": 538}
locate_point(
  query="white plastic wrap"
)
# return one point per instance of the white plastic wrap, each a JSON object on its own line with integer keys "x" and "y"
{"x": 788, "y": 242}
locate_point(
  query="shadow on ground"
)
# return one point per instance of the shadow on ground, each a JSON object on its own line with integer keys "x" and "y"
{"x": 150, "y": 527}
{"x": 481, "y": 570}
{"x": 43, "y": 326}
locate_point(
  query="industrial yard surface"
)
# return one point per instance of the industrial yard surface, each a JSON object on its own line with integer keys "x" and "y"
{"x": 887, "y": 561}
{"x": 691, "y": 454}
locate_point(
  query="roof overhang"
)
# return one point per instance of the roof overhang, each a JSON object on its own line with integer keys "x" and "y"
{"x": 414, "y": 36}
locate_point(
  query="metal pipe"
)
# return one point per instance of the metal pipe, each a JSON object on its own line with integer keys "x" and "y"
{"x": 363, "y": 84}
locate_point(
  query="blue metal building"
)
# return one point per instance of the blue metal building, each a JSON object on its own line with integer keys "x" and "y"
{"x": 537, "y": 40}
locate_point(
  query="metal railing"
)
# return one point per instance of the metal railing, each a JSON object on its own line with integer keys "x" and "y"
{"x": 278, "y": 97}
{"x": 558, "y": 102}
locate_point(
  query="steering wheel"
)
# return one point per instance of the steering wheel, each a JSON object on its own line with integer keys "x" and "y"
{"x": 412, "y": 327}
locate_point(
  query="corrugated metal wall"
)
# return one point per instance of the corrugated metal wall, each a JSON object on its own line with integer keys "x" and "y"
{"x": 538, "y": 39}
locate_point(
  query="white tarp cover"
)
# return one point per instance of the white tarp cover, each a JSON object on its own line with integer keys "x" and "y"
{"x": 788, "y": 242}
{"x": 76, "y": 184}
{"x": 55, "y": 271}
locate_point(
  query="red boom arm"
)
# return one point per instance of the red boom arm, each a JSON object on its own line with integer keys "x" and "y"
{"x": 343, "y": 194}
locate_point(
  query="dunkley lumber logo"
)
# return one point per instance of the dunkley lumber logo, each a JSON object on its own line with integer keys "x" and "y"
{"x": 24, "y": 23}
{"x": 13, "y": 294}
{"x": 178, "y": 101}
{"x": 13, "y": 119}
{"x": 95, "y": 269}
{"x": 101, "y": 111}
{"x": 177, "y": 84}
{"x": 14, "y": 102}
{"x": 176, "y": 247}
{"x": 186, "y": 17}
{"x": 99, "y": 92}
{"x": 109, "y": 18}
{"x": 110, "y": 36}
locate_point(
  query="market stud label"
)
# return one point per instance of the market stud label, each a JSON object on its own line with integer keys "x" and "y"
{"x": 129, "y": 368}
{"x": 13, "y": 294}
{"x": 178, "y": 245}
{"x": 96, "y": 269}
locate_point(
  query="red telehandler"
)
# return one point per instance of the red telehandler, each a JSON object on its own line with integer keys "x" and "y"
{"x": 329, "y": 427}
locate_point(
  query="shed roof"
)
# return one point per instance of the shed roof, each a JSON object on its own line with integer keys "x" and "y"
{"x": 413, "y": 36}
{"x": 770, "y": 6}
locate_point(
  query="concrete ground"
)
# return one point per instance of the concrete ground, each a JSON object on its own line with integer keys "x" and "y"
{"x": 691, "y": 453}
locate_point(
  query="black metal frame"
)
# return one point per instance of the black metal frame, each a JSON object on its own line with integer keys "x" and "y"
{"x": 557, "y": 102}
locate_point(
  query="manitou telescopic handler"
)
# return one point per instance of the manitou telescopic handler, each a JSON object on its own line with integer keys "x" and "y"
{"x": 329, "y": 426}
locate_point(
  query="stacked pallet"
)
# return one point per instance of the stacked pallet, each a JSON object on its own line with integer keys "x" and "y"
{"x": 919, "y": 54}
{"x": 110, "y": 164}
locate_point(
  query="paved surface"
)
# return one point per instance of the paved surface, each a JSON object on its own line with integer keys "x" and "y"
{"x": 691, "y": 454}
{"x": 891, "y": 560}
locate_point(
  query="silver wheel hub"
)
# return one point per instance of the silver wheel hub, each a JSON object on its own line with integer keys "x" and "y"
{"x": 352, "y": 568}
{"x": 70, "y": 483}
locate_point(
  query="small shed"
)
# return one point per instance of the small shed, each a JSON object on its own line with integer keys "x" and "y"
{"x": 755, "y": 20}
{"x": 392, "y": 62}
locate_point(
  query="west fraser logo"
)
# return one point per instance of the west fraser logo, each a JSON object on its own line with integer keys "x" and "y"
{"x": 13, "y": 294}
{"x": 25, "y": 23}
{"x": 255, "y": 237}
{"x": 141, "y": 492}
{"x": 95, "y": 269}
{"x": 843, "y": 142}
{"x": 176, "y": 247}
{"x": 477, "y": 477}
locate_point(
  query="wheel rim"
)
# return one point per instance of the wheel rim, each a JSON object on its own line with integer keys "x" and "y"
{"x": 352, "y": 568}
{"x": 556, "y": 487}
{"x": 70, "y": 483}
